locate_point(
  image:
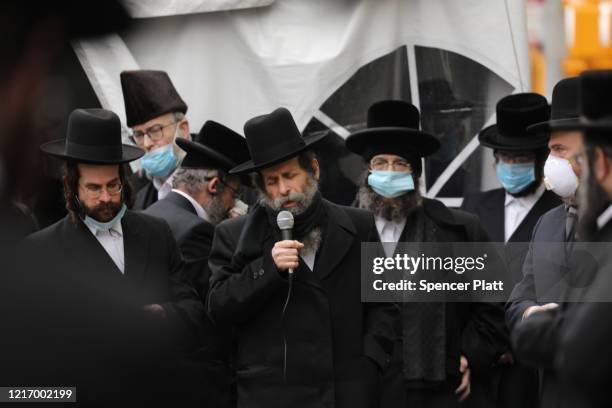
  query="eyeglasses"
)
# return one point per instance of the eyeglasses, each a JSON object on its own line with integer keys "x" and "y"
{"x": 95, "y": 190}
{"x": 396, "y": 165}
{"x": 514, "y": 158}
{"x": 155, "y": 133}
{"x": 235, "y": 193}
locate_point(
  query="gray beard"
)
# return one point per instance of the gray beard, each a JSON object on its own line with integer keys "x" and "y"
{"x": 312, "y": 241}
{"x": 391, "y": 209}
{"x": 303, "y": 200}
{"x": 216, "y": 211}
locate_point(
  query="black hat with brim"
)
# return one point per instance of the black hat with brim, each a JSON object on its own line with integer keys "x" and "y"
{"x": 515, "y": 113}
{"x": 273, "y": 139}
{"x": 596, "y": 100}
{"x": 565, "y": 108}
{"x": 94, "y": 136}
{"x": 392, "y": 128}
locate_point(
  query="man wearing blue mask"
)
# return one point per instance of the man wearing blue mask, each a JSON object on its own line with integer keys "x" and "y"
{"x": 510, "y": 213}
{"x": 127, "y": 261}
{"x": 156, "y": 114}
{"x": 434, "y": 357}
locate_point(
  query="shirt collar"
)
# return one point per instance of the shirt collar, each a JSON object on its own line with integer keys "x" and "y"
{"x": 157, "y": 183}
{"x": 528, "y": 200}
{"x": 381, "y": 222}
{"x": 116, "y": 228}
{"x": 200, "y": 211}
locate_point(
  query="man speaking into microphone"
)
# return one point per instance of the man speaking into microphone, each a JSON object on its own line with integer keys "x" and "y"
{"x": 306, "y": 341}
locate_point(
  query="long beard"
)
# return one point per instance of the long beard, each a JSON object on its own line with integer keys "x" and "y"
{"x": 592, "y": 201}
{"x": 391, "y": 209}
{"x": 104, "y": 212}
{"x": 216, "y": 210}
{"x": 303, "y": 200}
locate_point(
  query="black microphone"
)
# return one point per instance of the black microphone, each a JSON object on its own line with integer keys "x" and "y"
{"x": 284, "y": 220}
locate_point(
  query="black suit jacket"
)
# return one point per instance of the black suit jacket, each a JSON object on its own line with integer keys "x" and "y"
{"x": 538, "y": 268}
{"x": 205, "y": 373}
{"x": 489, "y": 207}
{"x": 96, "y": 311}
{"x": 334, "y": 342}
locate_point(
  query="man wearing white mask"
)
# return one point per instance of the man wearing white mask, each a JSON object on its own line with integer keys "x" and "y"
{"x": 531, "y": 314}
{"x": 156, "y": 114}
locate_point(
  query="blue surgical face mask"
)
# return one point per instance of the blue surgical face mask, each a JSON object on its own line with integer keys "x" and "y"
{"x": 391, "y": 184}
{"x": 159, "y": 163}
{"x": 105, "y": 226}
{"x": 515, "y": 177}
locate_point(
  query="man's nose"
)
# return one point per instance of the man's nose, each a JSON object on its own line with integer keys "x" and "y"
{"x": 283, "y": 188}
{"x": 147, "y": 143}
{"x": 105, "y": 197}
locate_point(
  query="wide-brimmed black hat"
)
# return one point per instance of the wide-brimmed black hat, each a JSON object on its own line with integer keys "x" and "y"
{"x": 515, "y": 113}
{"x": 94, "y": 136}
{"x": 436, "y": 96}
{"x": 272, "y": 139}
{"x": 392, "y": 128}
{"x": 596, "y": 100}
{"x": 148, "y": 94}
{"x": 564, "y": 109}
{"x": 215, "y": 146}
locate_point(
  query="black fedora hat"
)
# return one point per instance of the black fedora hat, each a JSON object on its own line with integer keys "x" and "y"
{"x": 272, "y": 139}
{"x": 392, "y": 128}
{"x": 94, "y": 136}
{"x": 148, "y": 94}
{"x": 596, "y": 100}
{"x": 215, "y": 146}
{"x": 565, "y": 108}
{"x": 515, "y": 113}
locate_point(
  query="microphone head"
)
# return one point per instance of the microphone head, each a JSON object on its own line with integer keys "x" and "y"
{"x": 284, "y": 220}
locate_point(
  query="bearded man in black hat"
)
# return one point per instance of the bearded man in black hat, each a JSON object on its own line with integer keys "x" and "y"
{"x": 156, "y": 114}
{"x": 304, "y": 338}
{"x": 583, "y": 359}
{"x": 204, "y": 193}
{"x": 532, "y": 311}
{"x": 106, "y": 253}
{"x": 419, "y": 374}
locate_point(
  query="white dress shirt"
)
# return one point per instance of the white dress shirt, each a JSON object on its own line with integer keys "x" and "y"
{"x": 112, "y": 242}
{"x": 309, "y": 258}
{"x": 389, "y": 232}
{"x": 517, "y": 208}
{"x": 200, "y": 211}
{"x": 163, "y": 189}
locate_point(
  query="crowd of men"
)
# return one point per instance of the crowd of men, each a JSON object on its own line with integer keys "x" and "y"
{"x": 175, "y": 286}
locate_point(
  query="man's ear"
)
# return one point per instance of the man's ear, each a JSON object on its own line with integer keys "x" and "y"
{"x": 211, "y": 187}
{"x": 601, "y": 166}
{"x": 317, "y": 170}
{"x": 184, "y": 129}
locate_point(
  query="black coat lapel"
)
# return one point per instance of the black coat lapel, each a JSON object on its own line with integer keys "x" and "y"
{"x": 339, "y": 236}
{"x": 85, "y": 249}
{"x": 493, "y": 217}
{"x": 547, "y": 201}
{"x": 135, "y": 246}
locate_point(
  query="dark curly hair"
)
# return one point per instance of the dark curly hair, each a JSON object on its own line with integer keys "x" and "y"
{"x": 71, "y": 189}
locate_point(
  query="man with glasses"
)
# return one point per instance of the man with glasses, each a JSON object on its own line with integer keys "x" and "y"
{"x": 440, "y": 343}
{"x": 156, "y": 114}
{"x": 203, "y": 195}
{"x": 125, "y": 263}
{"x": 510, "y": 213}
